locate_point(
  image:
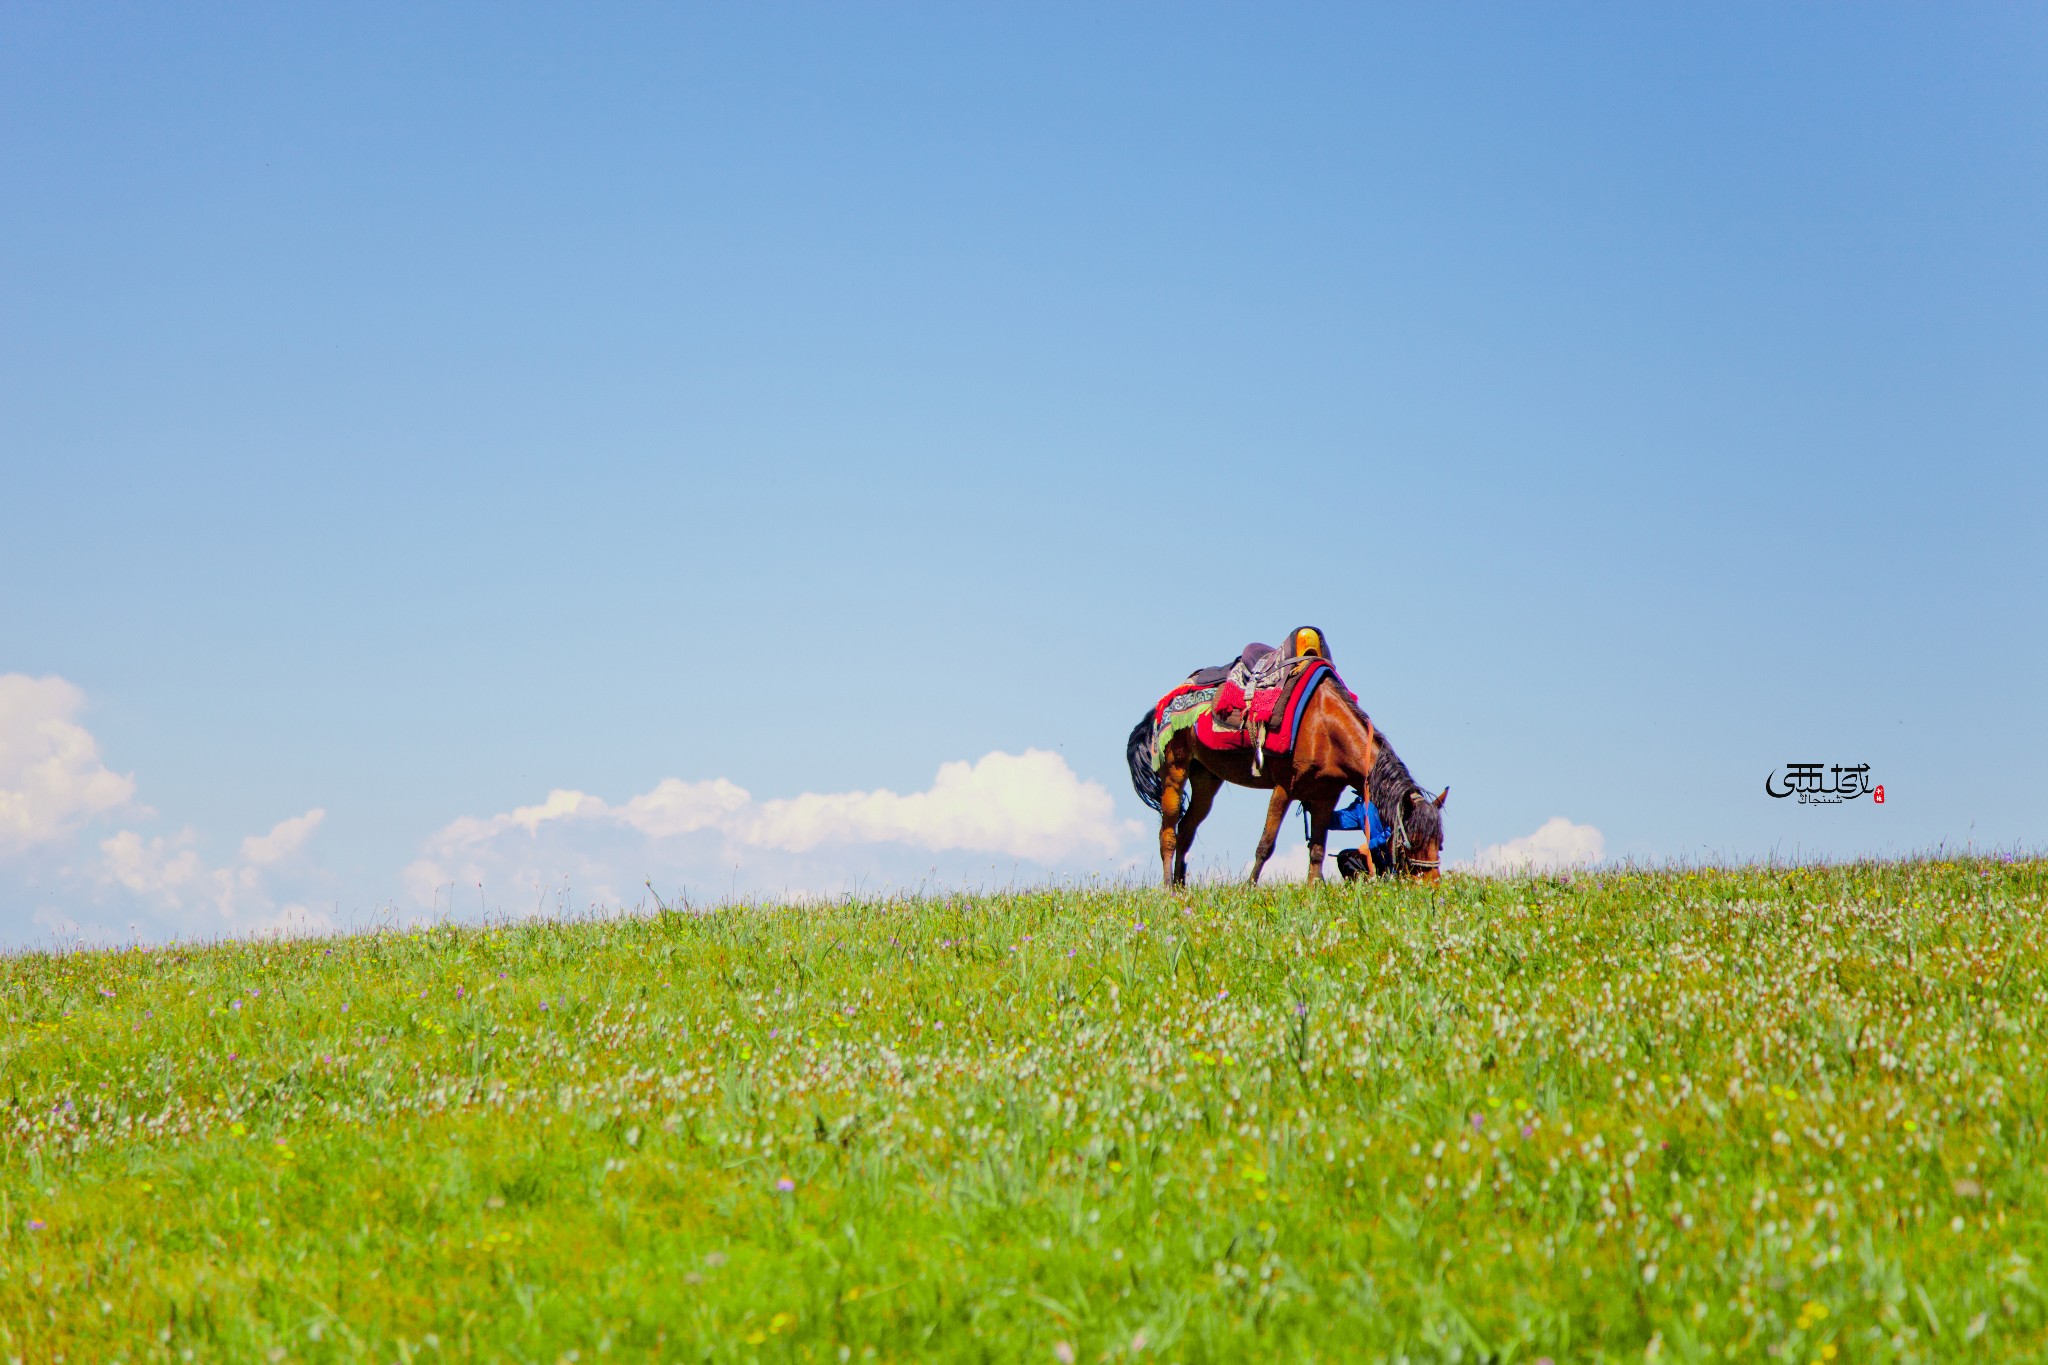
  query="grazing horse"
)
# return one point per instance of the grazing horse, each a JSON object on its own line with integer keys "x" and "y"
{"x": 1335, "y": 747}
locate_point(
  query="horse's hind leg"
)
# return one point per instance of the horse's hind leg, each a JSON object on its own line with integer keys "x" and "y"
{"x": 1276, "y": 811}
{"x": 1202, "y": 788}
{"x": 1175, "y": 777}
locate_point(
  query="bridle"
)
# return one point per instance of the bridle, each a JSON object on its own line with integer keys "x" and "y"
{"x": 1403, "y": 859}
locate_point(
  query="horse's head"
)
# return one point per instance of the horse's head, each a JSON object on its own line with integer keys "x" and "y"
{"x": 1418, "y": 843}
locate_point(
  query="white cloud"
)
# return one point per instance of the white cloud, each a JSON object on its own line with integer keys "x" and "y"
{"x": 161, "y": 870}
{"x": 53, "y": 786}
{"x": 1028, "y": 806}
{"x": 1556, "y": 844}
{"x": 51, "y": 777}
{"x": 168, "y": 873}
{"x": 286, "y": 837}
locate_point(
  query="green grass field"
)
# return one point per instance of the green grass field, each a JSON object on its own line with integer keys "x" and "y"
{"x": 1791, "y": 1115}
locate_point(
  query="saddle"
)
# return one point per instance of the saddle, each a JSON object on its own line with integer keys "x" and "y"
{"x": 1304, "y": 642}
{"x": 1257, "y": 686}
{"x": 1252, "y": 702}
{"x": 1261, "y": 697}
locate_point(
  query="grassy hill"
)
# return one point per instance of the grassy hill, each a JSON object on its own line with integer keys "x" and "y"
{"x": 1788, "y": 1114}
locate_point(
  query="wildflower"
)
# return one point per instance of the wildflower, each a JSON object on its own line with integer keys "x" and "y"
{"x": 458, "y": 992}
{"x": 1478, "y": 1121}
{"x": 785, "y": 1185}
{"x": 235, "y": 1005}
{"x": 35, "y": 1225}
{"x": 1063, "y": 1352}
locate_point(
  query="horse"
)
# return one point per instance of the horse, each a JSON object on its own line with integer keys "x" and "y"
{"x": 1335, "y": 746}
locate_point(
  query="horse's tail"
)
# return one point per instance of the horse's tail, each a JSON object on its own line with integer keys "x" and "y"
{"x": 1145, "y": 778}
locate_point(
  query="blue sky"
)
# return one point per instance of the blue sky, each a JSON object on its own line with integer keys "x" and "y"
{"x": 407, "y": 415}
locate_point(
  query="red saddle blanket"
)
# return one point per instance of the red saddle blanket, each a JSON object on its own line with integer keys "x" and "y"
{"x": 1271, "y": 714}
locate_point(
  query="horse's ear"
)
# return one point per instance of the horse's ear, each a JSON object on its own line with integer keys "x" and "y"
{"x": 1440, "y": 797}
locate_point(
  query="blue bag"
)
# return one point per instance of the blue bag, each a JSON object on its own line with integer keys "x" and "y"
{"x": 1361, "y": 814}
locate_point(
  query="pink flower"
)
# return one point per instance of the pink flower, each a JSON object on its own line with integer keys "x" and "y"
{"x": 786, "y": 1185}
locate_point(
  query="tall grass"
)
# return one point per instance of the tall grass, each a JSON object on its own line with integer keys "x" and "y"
{"x": 1791, "y": 1114}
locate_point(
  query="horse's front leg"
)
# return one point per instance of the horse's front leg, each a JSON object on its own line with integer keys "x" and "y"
{"x": 1319, "y": 813}
{"x": 1276, "y": 811}
{"x": 1202, "y": 788}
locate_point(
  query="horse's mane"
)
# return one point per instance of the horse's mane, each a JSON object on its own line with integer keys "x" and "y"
{"x": 1391, "y": 785}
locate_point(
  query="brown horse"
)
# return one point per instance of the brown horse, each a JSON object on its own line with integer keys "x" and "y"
{"x": 1335, "y": 747}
